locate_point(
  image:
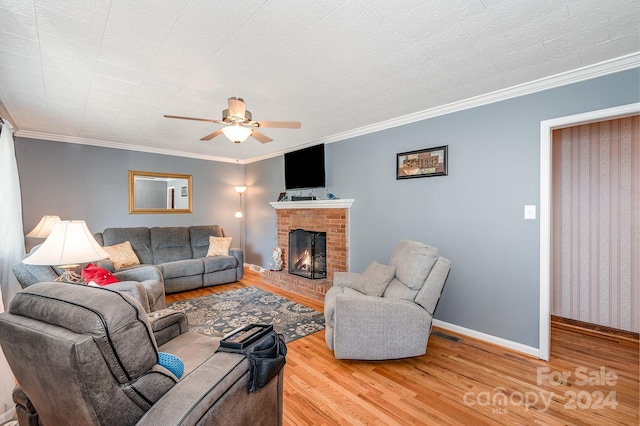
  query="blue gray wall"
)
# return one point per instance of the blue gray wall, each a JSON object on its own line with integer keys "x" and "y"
{"x": 474, "y": 215}
{"x": 265, "y": 181}
{"x": 91, "y": 183}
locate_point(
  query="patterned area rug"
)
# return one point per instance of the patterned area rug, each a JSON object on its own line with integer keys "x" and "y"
{"x": 218, "y": 314}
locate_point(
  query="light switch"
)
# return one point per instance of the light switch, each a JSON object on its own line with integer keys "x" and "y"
{"x": 529, "y": 212}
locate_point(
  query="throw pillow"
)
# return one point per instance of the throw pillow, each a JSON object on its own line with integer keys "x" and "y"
{"x": 375, "y": 279}
{"x": 219, "y": 246}
{"x": 98, "y": 275}
{"x": 171, "y": 363}
{"x": 122, "y": 255}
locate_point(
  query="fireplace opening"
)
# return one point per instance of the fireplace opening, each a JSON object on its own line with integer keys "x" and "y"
{"x": 308, "y": 253}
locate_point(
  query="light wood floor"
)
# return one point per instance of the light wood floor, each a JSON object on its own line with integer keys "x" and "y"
{"x": 466, "y": 383}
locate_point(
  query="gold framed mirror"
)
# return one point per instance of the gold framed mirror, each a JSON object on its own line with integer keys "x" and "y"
{"x": 153, "y": 192}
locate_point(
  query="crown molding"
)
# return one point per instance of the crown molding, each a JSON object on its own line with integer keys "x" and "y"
{"x": 588, "y": 72}
{"x": 563, "y": 79}
{"x": 120, "y": 145}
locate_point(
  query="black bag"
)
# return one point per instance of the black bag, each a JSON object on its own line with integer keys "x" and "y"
{"x": 266, "y": 355}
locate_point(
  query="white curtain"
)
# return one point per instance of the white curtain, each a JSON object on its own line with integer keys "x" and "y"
{"x": 11, "y": 250}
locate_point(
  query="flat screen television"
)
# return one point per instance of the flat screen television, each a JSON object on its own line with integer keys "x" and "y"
{"x": 304, "y": 168}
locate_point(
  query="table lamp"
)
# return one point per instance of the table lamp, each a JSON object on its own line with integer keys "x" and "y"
{"x": 44, "y": 227}
{"x": 69, "y": 244}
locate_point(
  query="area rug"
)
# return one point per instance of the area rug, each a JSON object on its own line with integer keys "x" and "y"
{"x": 221, "y": 313}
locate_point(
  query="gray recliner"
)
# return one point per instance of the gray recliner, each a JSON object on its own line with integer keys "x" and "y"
{"x": 146, "y": 284}
{"x": 386, "y": 312}
{"x": 89, "y": 356}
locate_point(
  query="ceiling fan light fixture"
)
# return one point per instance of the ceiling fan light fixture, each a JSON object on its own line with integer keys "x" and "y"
{"x": 237, "y": 134}
{"x": 239, "y": 123}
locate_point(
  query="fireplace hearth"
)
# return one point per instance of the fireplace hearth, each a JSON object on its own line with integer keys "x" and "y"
{"x": 330, "y": 216}
{"x": 307, "y": 254}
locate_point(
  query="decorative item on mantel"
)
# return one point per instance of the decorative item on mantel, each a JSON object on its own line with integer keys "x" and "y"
{"x": 300, "y": 196}
{"x": 276, "y": 265}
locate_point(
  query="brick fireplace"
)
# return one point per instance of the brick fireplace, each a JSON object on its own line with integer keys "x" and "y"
{"x": 330, "y": 216}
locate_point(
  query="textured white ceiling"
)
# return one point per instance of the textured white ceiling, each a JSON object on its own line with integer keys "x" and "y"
{"x": 105, "y": 71}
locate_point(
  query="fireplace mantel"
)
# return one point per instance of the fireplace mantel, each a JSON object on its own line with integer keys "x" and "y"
{"x": 323, "y": 216}
{"x": 314, "y": 204}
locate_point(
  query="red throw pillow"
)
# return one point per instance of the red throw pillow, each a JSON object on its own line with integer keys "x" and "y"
{"x": 98, "y": 275}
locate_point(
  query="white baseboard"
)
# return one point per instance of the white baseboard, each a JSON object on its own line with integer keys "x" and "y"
{"x": 254, "y": 268}
{"x": 519, "y": 347}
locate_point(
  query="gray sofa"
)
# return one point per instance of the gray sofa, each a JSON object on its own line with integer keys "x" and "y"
{"x": 180, "y": 254}
{"x": 93, "y": 358}
{"x": 143, "y": 283}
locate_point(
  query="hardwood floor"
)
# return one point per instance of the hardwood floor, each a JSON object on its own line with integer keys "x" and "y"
{"x": 591, "y": 379}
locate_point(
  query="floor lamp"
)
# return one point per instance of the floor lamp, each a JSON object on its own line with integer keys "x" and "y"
{"x": 240, "y": 190}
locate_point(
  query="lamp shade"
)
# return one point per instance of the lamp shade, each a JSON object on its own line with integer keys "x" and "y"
{"x": 44, "y": 227}
{"x": 237, "y": 134}
{"x": 240, "y": 189}
{"x": 70, "y": 242}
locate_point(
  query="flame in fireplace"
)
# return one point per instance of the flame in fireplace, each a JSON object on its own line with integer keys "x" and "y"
{"x": 304, "y": 262}
{"x": 307, "y": 254}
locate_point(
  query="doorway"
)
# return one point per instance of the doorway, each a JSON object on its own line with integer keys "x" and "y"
{"x": 594, "y": 230}
{"x": 546, "y": 129}
{"x": 171, "y": 197}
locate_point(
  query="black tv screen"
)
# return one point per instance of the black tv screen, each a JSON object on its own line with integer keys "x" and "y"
{"x": 304, "y": 168}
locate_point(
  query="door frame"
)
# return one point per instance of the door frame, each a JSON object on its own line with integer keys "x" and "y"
{"x": 546, "y": 129}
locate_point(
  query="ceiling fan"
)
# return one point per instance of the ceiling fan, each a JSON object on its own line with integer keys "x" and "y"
{"x": 239, "y": 124}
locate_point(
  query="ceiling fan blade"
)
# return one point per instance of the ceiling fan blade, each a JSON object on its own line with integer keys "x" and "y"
{"x": 212, "y": 135}
{"x": 280, "y": 124}
{"x": 260, "y": 137}
{"x": 236, "y": 107}
{"x": 191, "y": 118}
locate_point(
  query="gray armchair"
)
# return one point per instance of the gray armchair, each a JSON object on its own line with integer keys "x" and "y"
{"x": 145, "y": 284}
{"x": 386, "y": 312}
{"x": 87, "y": 355}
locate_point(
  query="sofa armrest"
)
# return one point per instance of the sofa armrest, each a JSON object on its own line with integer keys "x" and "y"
{"x": 133, "y": 289}
{"x": 239, "y": 255}
{"x": 374, "y": 328}
{"x": 167, "y": 324}
{"x": 344, "y": 279}
{"x": 140, "y": 273}
{"x": 216, "y": 393}
{"x": 151, "y": 279}
{"x": 106, "y": 264}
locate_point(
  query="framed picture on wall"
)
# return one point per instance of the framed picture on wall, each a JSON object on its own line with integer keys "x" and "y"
{"x": 183, "y": 191}
{"x": 422, "y": 163}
